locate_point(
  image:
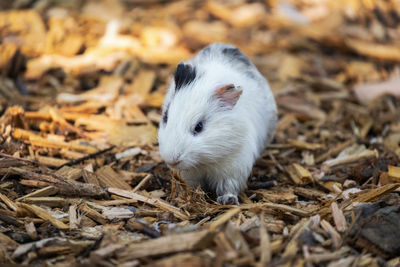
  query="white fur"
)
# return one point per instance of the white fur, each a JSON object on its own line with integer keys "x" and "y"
{"x": 221, "y": 157}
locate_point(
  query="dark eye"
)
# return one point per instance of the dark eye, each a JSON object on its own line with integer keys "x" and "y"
{"x": 165, "y": 116}
{"x": 198, "y": 128}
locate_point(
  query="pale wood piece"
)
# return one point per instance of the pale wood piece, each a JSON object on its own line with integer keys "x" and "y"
{"x": 41, "y": 213}
{"x": 167, "y": 244}
{"x": 151, "y": 201}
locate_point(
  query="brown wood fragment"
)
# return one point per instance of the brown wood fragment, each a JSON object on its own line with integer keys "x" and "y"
{"x": 334, "y": 151}
{"x": 298, "y": 174}
{"x": 83, "y": 158}
{"x": 332, "y": 186}
{"x": 365, "y": 155}
{"x": 92, "y": 214}
{"x": 90, "y": 177}
{"x": 31, "y": 230}
{"x": 105, "y": 252}
{"x": 309, "y": 193}
{"x": 239, "y": 16}
{"x": 54, "y": 251}
{"x": 338, "y": 218}
{"x": 64, "y": 186}
{"x": 276, "y": 247}
{"x": 239, "y": 243}
{"x": 73, "y": 217}
{"x": 265, "y": 245}
{"x": 167, "y": 244}
{"x": 11, "y": 162}
{"x": 318, "y": 258}
{"x": 394, "y": 173}
{"x": 301, "y": 108}
{"x": 336, "y": 239}
{"x": 223, "y": 218}
{"x": 141, "y": 226}
{"x": 46, "y": 201}
{"x": 142, "y": 182}
{"x": 375, "y": 50}
{"x": 225, "y": 247}
{"x": 292, "y": 247}
{"x": 142, "y": 84}
{"x": 69, "y": 173}
{"x": 277, "y": 196}
{"x": 33, "y": 183}
{"x": 182, "y": 259}
{"x": 281, "y": 207}
{"x": 108, "y": 177}
{"x": 299, "y": 144}
{"x": 374, "y": 194}
{"x": 37, "y": 140}
{"x": 58, "y": 118}
{"x": 9, "y": 217}
{"x": 44, "y": 192}
{"x": 8, "y": 202}
{"x": 41, "y": 213}
{"x": 50, "y": 161}
{"x": 8, "y": 242}
{"x": 116, "y": 202}
{"x": 151, "y": 201}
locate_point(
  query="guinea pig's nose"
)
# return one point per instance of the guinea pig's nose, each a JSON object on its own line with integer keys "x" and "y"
{"x": 173, "y": 163}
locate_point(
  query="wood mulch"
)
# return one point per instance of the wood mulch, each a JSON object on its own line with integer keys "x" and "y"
{"x": 82, "y": 183}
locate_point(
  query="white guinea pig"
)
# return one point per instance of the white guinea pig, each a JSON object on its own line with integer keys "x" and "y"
{"x": 218, "y": 115}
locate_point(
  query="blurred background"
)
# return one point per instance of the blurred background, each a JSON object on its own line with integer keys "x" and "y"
{"x": 116, "y": 58}
{"x": 56, "y": 48}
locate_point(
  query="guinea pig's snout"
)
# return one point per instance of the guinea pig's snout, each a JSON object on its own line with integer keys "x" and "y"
{"x": 174, "y": 161}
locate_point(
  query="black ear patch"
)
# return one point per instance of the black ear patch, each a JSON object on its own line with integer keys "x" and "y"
{"x": 236, "y": 54}
{"x": 184, "y": 75}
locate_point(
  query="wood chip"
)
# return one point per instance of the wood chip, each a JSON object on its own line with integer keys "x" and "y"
{"x": 394, "y": 173}
{"x": 73, "y": 217}
{"x": 31, "y": 230}
{"x": 298, "y": 174}
{"x": 44, "y": 192}
{"x": 167, "y": 244}
{"x": 365, "y": 155}
{"x": 224, "y": 218}
{"x": 149, "y": 200}
{"x": 108, "y": 177}
{"x": 8, "y": 202}
{"x": 335, "y": 235}
{"x": 41, "y": 213}
{"x": 265, "y": 245}
{"x": 304, "y": 145}
{"x": 92, "y": 214}
{"x": 375, "y": 193}
{"x": 338, "y": 217}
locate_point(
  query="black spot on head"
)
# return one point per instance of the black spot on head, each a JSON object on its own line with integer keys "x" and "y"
{"x": 236, "y": 54}
{"x": 184, "y": 75}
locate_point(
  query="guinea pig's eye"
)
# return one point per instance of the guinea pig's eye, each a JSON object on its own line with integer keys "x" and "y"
{"x": 165, "y": 116}
{"x": 198, "y": 128}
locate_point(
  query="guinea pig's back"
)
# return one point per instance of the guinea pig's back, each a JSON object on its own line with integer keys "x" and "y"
{"x": 256, "y": 108}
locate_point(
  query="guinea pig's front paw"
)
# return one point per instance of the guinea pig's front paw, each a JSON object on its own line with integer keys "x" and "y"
{"x": 228, "y": 199}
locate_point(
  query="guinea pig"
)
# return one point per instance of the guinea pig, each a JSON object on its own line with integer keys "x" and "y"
{"x": 217, "y": 117}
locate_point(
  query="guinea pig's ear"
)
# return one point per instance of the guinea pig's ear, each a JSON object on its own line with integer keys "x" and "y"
{"x": 228, "y": 95}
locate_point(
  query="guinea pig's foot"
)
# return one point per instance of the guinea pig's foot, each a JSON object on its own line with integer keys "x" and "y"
{"x": 228, "y": 199}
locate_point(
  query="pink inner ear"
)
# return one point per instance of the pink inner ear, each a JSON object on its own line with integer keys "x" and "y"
{"x": 228, "y": 95}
